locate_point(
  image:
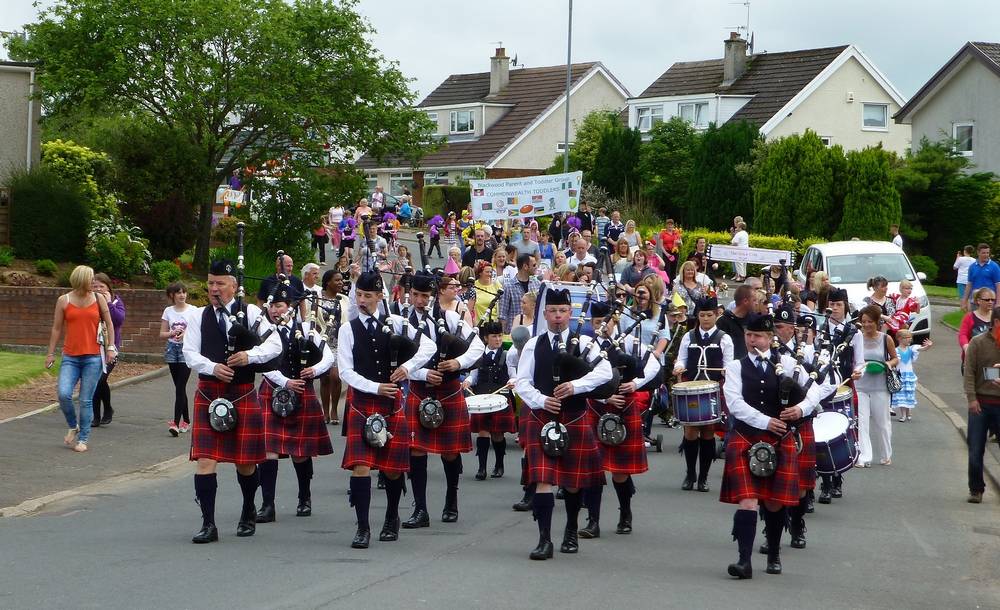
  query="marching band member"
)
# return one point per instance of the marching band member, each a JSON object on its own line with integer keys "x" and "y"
{"x": 704, "y": 353}
{"x": 302, "y": 433}
{"x": 438, "y": 379}
{"x": 364, "y": 358}
{"x": 753, "y": 392}
{"x": 563, "y": 403}
{"x": 629, "y": 402}
{"x": 494, "y": 372}
{"x": 221, "y": 350}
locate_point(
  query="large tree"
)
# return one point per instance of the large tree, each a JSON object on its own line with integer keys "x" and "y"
{"x": 666, "y": 162}
{"x": 717, "y": 191}
{"x": 586, "y": 140}
{"x": 871, "y": 201}
{"x": 247, "y": 81}
{"x": 617, "y": 160}
{"x": 792, "y": 187}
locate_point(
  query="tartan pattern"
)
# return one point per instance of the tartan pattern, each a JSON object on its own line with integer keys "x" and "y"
{"x": 302, "y": 434}
{"x": 739, "y": 484}
{"x": 630, "y": 456}
{"x": 245, "y": 444}
{"x": 807, "y": 457}
{"x": 579, "y": 468}
{"x": 497, "y": 422}
{"x": 523, "y": 415}
{"x": 395, "y": 456}
{"x": 454, "y": 434}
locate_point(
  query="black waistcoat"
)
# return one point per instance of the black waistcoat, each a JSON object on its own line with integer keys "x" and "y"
{"x": 543, "y": 375}
{"x": 291, "y": 353}
{"x": 492, "y": 373}
{"x": 713, "y": 355}
{"x": 214, "y": 345}
{"x": 371, "y": 355}
{"x": 760, "y": 393}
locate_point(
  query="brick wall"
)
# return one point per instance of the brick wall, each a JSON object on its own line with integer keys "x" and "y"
{"x": 26, "y": 315}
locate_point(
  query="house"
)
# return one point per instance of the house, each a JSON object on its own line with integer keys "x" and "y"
{"x": 836, "y": 92}
{"x": 961, "y": 102}
{"x": 20, "y": 141}
{"x": 502, "y": 124}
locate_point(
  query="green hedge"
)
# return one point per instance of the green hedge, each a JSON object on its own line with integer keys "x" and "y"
{"x": 48, "y": 217}
{"x": 164, "y": 273}
{"x": 439, "y": 199}
{"x": 927, "y": 265}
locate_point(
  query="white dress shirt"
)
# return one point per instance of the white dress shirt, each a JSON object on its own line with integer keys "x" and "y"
{"x": 326, "y": 362}
{"x": 726, "y": 343}
{"x": 345, "y": 353}
{"x": 738, "y": 407}
{"x": 525, "y": 382}
{"x": 268, "y": 349}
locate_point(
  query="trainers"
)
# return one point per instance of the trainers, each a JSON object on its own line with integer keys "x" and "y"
{"x": 184, "y": 427}
{"x": 901, "y": 419}
{"x": 173, "y": 429}
{"x": 975, "y": 497}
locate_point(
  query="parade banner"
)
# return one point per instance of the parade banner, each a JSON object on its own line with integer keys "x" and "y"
{"x": 756, "y": 256}
{"x": 510, "y": 198}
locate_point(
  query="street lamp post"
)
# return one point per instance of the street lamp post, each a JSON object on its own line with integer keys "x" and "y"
{"x": 569, "y": 71}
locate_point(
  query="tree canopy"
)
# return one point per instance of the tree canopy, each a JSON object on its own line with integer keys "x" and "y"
{"x": 717, "y": 191}
{"x": 793, "y": 187}
{"x": 666, "y": 161}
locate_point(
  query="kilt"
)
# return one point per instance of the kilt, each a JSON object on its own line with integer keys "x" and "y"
{"x": 630, "y": 456}
{"x": 523, "y": 415}
{"x": 454, "y": 434}
{"x": 245, "y": 444}
{"x": 497, "y": 422}
{"x": 579, "y": 468}
{"x": 739, "y": 484}
{"x": 302, "y": 434}
{"x": 395, "y": 456}
{"x": 807, "y": 457}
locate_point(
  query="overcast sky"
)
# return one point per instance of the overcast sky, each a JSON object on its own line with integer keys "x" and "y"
{"x": 639, "y": 39}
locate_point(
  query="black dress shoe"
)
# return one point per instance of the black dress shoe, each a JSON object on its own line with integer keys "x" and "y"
{"x": 798, "y": 540}
{"x": 773, "y": 565}
{"x": 824, "y": 496}
{"x": 593, "y": 530}
{"x": 836, "y": 492}
{"x": 481, "y": 474}
{"x": 449, "y": 515}
{"x": 362, "y": 539}
{"x": 419, "y": 518}
{"x": 544, "y": 548}
{"x": 702, "y": 486}
{"x": 523, "y": 505}
{"x": 106, "y": 419}
{"x": 624, "y": 523}
{"x": 688, "y": 484}
{"x": 764, "y": 548}
{"x": 246, "y": 527}
{"x": 741, "y": 569}
{"x": 304, "y": 509}
{"x": 810, "y": 508}
{"x": 96, "y": 423}
{"x": 266, "y": 514}
{"x": 390, "y": 531}
{"x": 570, "y": 543}
{"x": 497, "y": 473}
{"x": 207, "y": 533}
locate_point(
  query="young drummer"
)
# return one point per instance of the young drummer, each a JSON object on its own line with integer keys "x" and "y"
{"x": 438, "y": 379}
{"x": 224, "y": 353}
{"x": 365, "y": 359}
{"x": 580, "y": 465}
{"x": 704, "y": 353}
{"x": 629, "y": 457}
{"x": 301, "y": 434}
{"x": 753, "y": 396}
{"x": 495, "y": 371}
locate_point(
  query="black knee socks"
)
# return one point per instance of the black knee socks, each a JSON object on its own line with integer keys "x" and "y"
{"x": 304, "y": 473}
{"x": 592, "y": 500}
{"x": 249, "y": 484}
{"x": 572, "y": 510}
{"x": 690, "y": 448}
{"x": 744, "y": 531}
{"x": 705, "y": 456}
{"x": 268, "y": 481}
{"x": 205, "y": 486}
{"x": 452, "y": 468}
{"x": 797, "y": 515}
{"x": 418, "y": 479}
{"x": 541, "y": 508}
{"x": 624, "y": 490}
{"x": 393, "y": 490}
{"x": 482, "y": 450}
{"x": 775, "y": 525}
{"x": 500, "y": 449}
{"x": 361, "y": 498}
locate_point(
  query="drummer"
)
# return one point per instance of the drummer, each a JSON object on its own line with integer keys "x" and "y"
{"x": 494, "y": 375}
{"x": 704, "y": 353}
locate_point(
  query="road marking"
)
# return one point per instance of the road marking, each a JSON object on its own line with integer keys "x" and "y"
{"x": 924, "y": 545}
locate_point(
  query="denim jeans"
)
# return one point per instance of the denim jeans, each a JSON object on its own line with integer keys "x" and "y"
{"x": 87, "y": 371}
{"x": 961, "y": 290}
{"x": 979, "y": 426}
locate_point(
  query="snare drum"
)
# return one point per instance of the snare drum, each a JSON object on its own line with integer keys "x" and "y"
{"x": 696, "y": 403}
{"x": 486, "y": 403}
{"x": 836, "y": 450}
{"x": 841, "y": 402}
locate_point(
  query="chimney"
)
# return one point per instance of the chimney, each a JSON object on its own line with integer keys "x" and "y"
{"x": 735, "y": 62}
{"x": 499, "y": 71}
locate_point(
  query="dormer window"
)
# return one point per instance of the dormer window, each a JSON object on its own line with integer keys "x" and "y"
{"x": 463, "y": 121}
{"x": 695, "y": 113}
{"x": 648, "y": 116}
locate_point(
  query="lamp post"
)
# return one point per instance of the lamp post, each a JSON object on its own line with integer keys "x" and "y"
{"x": 569, "y": 72}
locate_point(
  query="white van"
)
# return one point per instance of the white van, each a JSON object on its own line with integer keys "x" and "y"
{"x": 850, "y": 264}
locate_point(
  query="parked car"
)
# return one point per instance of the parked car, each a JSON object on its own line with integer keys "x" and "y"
{"x": 850, "y": 264}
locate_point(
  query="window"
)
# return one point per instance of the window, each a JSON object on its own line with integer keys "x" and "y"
{"x": 857, "y": 268}
{"x": 439, "y": 178}
{"x": 694, "y": 113}
{"x": 433, "y": 118}
{"x": 372, "y": 180}
{"x": 561, "y": 147}
{"x": 463, "y": 121}
{"x": 961, "y": 133}
{"x": 398, "y": 181}
{"x": 826, "y": 140}
{"x": 875, "y": 116}
{"x": 648, "y": 116}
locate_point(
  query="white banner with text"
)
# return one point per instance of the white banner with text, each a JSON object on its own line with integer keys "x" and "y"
{"x": 509, "y": 198}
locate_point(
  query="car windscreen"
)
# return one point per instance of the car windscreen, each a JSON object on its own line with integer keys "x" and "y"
{"x": 859, "y": 268}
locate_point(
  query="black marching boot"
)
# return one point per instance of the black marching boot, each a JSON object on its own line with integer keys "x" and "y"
{"x": 744, "y": 530}
{"x": 268, "y": 482}
{"x": 418, "y": 481}
{"x": 690, "y": 449}
{"x": 482, "y": 453}
{"x": 500, "y": 450}
{"x": 524, "y": 505}
{"x": 542, "y": 509}
{"x": 451, "y": 471}
{"x": 361, "y": 497}
{"x": 390, "y": 528}
{"x": 205, "y": 486}
{"x": 248, "y": 518}
{"x": 837, "y": 492}
{"x": 625, "y": 491}
{"x": 570, "y": 543}
{"x": 592, "y": 500}
{"x": 304, "y": 473}
{"x": 706, "y": 454}
{"x": 775, "y": 527}
{"x": 824, "y": 489}
{"x": 797, "y": 524}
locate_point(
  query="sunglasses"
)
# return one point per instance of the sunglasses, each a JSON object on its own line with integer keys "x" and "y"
{"x": 987, "y": 300}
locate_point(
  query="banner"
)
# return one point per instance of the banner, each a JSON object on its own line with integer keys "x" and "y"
{"x": 757, "y": 256}
{"x": 510, "y": 198}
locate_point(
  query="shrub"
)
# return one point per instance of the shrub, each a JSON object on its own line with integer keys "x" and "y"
{"x": 6, "y": 256}
{"x": 46, "y": 267}
{"x": 48, "y": 216}
{"x": 224, "y": 231}
{"x": 63, "y": 278}
{"x": 164, "y": 272}
{"x": 927, "y": 265}
{"x": 443, "y": 199}
{"x": 120, "y": 255}
{"x": 256, "y": 263}
{"x": 86, "y": 170}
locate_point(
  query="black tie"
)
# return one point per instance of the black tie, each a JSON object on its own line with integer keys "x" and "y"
{"x": 704, "y": 337}
{"x": 284, "y": 332}
{"x": 371, "y": 327}
{"x": 761, "y": 367}
{"x": 555, "y": 343}
{"x": 221, "y": 314}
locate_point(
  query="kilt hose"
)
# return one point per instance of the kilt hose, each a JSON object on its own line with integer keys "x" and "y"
{"x": 630, "y": 456}
{"x": 580, "y": 467}
{"x": 738, "y": 483}
{"x": 301, "y": 434}
{"x": 497, "y": 422}
{"x": 245, "y": 444}
{"x": 807, "y": 457}
{"x": 395, "y": 456}
{"x": 454, "y": 434}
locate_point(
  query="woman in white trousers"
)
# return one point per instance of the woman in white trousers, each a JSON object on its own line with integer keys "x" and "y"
{"x": 874, "y": 422}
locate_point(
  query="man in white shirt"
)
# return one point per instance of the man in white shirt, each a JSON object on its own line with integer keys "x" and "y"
{"x": 897, "y": 239}
{"x": 580, "y": 254}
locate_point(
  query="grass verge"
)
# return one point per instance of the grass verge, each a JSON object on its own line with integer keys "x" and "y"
{"x": 16, "y": 369}
{"x": 953, "y": 318}
{"x": 944, "y": 292}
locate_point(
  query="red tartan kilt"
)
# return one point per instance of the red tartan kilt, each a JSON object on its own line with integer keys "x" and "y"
{"x": 302, "y": 434}
{"x": 739, "y": 484}
{"x": 630, "y": 456}
{"x": 395, "y": 456}
{"x": 245, "y": 444}
{"x": 454, "y": 434}
{"x": 497, "y": 422}
{"x": 579, "y": 468}
{"x": 522, "y": 424}
{"x": 807, "y": 457}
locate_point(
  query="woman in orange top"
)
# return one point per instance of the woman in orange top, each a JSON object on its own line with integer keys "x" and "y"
{"x": 80, "y": 312}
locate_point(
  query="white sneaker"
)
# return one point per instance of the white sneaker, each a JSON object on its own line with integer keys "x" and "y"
{"x": 901, "y": 419}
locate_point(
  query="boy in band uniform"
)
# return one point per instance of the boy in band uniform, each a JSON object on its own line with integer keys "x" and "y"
{"x": 494, "y": 374}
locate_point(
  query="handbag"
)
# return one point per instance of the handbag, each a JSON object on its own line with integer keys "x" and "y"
{"x": 893, "y": 382}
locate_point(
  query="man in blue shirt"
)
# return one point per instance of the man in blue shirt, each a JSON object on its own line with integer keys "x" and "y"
{"x": 984, "y": 273}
